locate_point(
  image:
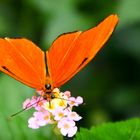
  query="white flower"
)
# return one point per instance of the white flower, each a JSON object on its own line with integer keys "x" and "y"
{"x": 67, "y": 127}
{"x": 57, "y": 110}
{"x": 74, "y": 116}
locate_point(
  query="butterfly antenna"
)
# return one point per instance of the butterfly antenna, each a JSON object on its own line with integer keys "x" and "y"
{"x": 67, "y": 100}
{"x": 24, "y": 109}
{"x": 18, "y": 112}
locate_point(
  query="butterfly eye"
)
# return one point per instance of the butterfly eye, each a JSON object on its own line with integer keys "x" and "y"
{"x": 52, "y": 96}
{"x": 48, "y": 86}
{"x": 45, "y": 97}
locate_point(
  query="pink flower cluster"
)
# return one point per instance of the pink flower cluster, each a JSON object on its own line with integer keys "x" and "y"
{"x": 58, "y": 111}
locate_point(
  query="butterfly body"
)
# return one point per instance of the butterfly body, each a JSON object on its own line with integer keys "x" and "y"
{"x": 47, "y": 94}
{"x": 69, "y": 53}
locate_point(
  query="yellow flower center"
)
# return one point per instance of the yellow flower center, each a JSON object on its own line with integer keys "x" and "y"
{"x": 56, "y": 102}
{"x": 46, "y": 118}
{"x": 60, "y": 114}
{"x": 66, "y": 126}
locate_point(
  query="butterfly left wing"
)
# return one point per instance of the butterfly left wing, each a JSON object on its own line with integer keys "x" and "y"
{"x": 70, "y": 52}
{"x": 24, "y": 61}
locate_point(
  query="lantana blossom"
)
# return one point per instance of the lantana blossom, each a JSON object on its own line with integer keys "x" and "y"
{"x": 57, "y": 111}
{"x": 67, "y": 127}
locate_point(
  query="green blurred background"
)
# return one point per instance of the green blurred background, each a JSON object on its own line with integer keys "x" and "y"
{"x": 110, "y": 84}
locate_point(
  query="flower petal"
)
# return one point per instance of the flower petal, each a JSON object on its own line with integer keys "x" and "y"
{"x": 32, "y": 123}
{"x": 72, "y": 131}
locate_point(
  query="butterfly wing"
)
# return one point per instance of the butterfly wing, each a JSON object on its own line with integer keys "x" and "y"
{"x": 70, "y": 52}
{"x": 23, "y": 60}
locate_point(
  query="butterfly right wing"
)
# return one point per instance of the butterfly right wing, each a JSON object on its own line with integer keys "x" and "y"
{"x": 58, "y": 53}
{"x": 70, "y": 52}
{"x": 24, "y": 61}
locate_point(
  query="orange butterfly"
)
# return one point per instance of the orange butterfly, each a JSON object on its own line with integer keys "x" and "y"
{"x": 69, "y": 53}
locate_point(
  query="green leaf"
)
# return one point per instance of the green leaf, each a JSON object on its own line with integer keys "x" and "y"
{"x": 124, "y": 130}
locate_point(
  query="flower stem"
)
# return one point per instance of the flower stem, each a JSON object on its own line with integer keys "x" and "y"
{"x": 59, "y": 136}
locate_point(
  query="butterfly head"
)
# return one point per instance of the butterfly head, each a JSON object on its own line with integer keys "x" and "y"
{"x": 48, "y": 87}
{"x": 48, "y": 94}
